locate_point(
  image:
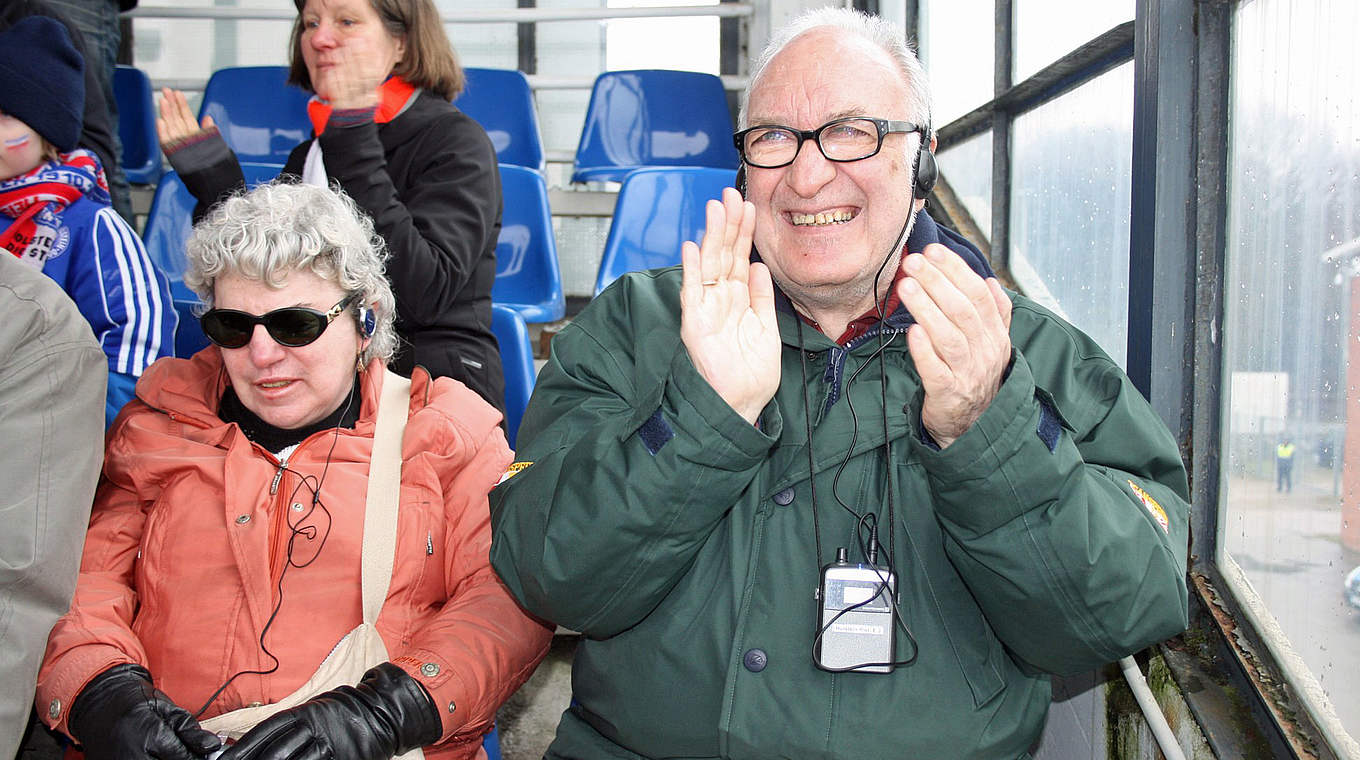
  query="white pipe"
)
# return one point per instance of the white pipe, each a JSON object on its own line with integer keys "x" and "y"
{"x": 469, "y": 16}
{"x": 1161, "y": 730}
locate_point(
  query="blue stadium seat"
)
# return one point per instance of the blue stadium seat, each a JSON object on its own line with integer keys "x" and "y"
{"x": 137, "y": 125}
{"x": 260, "y": 116}
{"x": 657, "y": 210}
{"x": 491, "y": 743}
{"x": 654, "y": 117}
{"x": 168, "y": 225}
{"x": 517, "y": 359}
{"x": 528, "y": 279}
{"x": 501, "y": 101}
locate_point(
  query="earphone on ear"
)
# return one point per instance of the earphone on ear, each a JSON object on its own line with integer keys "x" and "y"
{"x": 925, "y": 172}
{"x": 368, "y": 322}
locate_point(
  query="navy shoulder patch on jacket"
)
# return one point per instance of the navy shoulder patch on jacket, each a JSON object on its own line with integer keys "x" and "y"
{"x": 655, "y": 433}
{"x": 1049, "y": 429}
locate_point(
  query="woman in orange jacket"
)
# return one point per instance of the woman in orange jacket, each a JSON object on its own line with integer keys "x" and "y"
{"x": 223, "y": 560}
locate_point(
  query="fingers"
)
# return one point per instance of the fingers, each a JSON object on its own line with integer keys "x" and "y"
{"x": 935, "y": 304}
{"x": 167, "y": 746}
{"x": 1003, "y": 301}
{"x": 691, "y": 279}
{"x": 744, "y": 213}
{"x": 952, "y": 301}
{"x": 176, "y": 118}
{"x": 725, "y": 251}
{"x": 734, "y": 213}
{"x": 935, "y": 373}
{"x": 199, "y": 740}
{"x": 354, "y": 82}
{"x": 710, "y": 249}
{"x": 762, "y": 295}
{"x": 960, "y": 342}
{"x": 277, "y": 738}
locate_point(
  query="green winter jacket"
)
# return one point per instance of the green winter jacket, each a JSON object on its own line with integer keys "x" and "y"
{"x": 1049, "y": 538}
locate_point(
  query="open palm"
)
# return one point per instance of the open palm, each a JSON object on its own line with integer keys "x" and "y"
{"x": 727, "y": 319}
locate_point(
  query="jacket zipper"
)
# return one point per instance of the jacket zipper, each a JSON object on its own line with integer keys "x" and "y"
{"x": 279, "y": 531}
{"x": 274, "y": 486}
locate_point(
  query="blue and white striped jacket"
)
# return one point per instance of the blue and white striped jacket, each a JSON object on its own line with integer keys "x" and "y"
{"x": 104, "y": 268}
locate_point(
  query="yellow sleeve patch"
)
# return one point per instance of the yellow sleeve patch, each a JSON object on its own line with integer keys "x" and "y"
{"x": 513, "y": 470}
{"x": 1152, "y": 506}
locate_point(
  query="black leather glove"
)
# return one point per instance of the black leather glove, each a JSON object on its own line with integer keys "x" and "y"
{"x": 386, "y": 714}
{"x": 120, "y": 716}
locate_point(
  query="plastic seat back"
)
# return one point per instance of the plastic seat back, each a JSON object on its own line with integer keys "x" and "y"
{"x": 528, "y": 278}
{"x": 517, "y": 360}
{"x": 137, "y": 125}
{"x": 657, "y": 210}
{"x": 260, "y": 115}
{"x": 168, "y": 225}
{"x": 654, "y": 117}
{"x": 501, "y": 101}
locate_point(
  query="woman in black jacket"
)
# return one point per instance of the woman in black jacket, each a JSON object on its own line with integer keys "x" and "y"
{"x": 383, "y": 73}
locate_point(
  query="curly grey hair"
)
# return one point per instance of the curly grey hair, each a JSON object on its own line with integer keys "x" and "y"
{"x": 884, "y": 34}
{"x": 280, "y": 227}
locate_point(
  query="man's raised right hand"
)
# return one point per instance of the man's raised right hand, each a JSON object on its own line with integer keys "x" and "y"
{"x": 727, "y": 318}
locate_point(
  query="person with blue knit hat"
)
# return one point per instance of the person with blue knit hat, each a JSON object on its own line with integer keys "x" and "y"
{"x": 55, "y": 213}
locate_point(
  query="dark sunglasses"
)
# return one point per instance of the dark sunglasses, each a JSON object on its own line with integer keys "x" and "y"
{"x": 290, "y": 326}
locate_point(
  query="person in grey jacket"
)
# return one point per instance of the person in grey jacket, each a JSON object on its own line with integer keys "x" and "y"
{"x": 52, "y": 376}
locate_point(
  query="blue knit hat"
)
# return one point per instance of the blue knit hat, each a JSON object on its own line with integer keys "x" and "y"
{"x": 42, "y": 80}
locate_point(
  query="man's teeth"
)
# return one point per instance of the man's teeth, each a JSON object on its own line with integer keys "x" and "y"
{"x": 275, "y": 384}
{"x": 822, "y": 217}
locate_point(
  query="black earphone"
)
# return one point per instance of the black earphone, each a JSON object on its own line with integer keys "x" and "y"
{"x": 924, "y": 173}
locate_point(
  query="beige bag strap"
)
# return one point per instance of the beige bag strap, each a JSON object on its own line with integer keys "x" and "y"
{"x": 384, "y": 486}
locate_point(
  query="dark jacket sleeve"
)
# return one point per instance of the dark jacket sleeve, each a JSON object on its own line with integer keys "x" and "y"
{"x": 628, "y": 472}
{"x": 209, "y": 170}
{"x": 440, "y": 223}
{"x": 1065, "y": 506}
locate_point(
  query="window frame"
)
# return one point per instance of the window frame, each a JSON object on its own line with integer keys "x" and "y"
{"x": 1181, "y": 51}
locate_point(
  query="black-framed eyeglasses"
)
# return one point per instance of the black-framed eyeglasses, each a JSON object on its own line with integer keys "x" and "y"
{"x": 291, "y": 326}
{"x": 853, "y": 138}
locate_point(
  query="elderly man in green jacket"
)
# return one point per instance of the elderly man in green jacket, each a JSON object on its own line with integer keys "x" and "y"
{"x": 841, "y": 497}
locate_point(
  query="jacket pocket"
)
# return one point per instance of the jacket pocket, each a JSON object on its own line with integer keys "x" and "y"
{"x": 148, "y": 574}
{"x": 975, "y": 648}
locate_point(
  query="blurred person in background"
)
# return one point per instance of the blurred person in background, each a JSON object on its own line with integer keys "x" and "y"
{"x": 383, "y": 74}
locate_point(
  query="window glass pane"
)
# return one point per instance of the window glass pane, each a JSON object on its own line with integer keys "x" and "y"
{"x": 957, "y": 51}
{"x": 1046, "y": 30}
{"x": 1071, "y": 162}
{"x": 967, "y": 167}
{"x": 1291, "y": 480}
{"x": 189, "y": 50}
{"x": 686, "y": 43}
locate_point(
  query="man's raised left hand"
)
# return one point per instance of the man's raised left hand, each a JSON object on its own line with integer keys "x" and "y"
{"x": 961, "y": 340}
